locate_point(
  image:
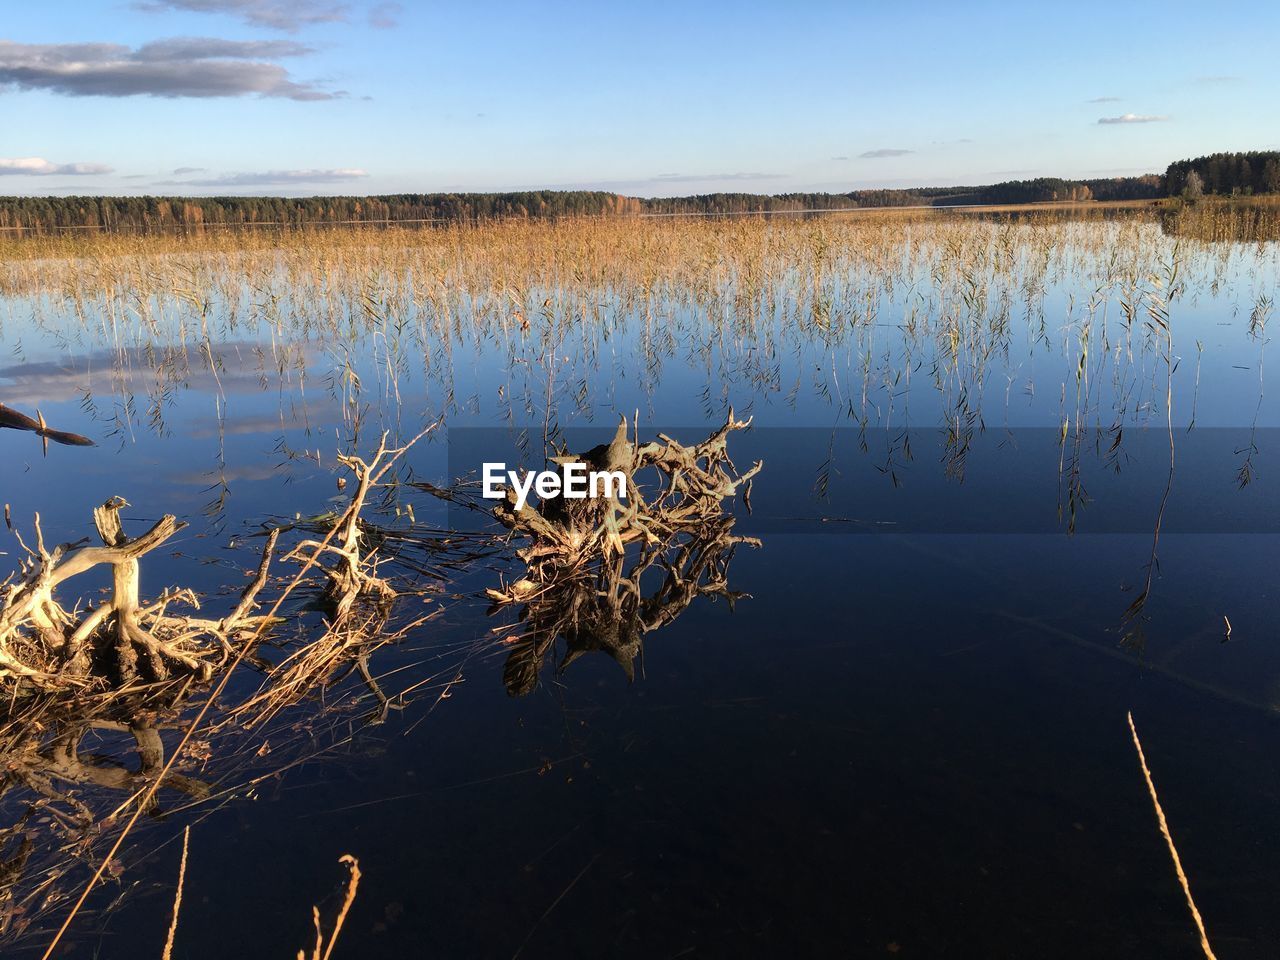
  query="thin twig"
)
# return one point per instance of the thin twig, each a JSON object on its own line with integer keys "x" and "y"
{"x": 352, "y": 883}
{"x": 177, "y": 897}
{"x": 555, "y": 903}
{"x": 1173, "y": 851}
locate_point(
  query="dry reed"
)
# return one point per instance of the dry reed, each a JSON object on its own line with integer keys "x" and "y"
{"x": 323, "y": 949}
{"x": 177, "y": 896}
{"x": 1173, "y": 850}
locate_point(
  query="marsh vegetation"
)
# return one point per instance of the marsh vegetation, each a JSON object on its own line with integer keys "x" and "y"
{"x": 1011, "y": 462}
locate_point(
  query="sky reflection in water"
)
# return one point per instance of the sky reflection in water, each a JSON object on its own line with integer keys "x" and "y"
{"x": 912, "y": 739}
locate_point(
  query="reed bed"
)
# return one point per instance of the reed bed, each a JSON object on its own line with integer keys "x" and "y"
{"x": 853, "y": 309}
{"x": 883, "y": 322}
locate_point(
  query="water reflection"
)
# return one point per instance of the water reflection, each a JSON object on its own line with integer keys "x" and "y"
{"x": 967, "y": 383}
{"x": 1223, "y": 222}
{"x": 613, "y": 610}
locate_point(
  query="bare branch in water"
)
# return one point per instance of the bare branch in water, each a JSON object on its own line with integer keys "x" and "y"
{"x": 578, "y": 583}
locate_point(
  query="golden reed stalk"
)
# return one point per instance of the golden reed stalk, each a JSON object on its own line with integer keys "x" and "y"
{"x": 177, "y": 897}
{"x": 1173, "y": 851}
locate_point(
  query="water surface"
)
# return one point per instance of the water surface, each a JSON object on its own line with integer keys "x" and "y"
{"x": 909, "y": 738}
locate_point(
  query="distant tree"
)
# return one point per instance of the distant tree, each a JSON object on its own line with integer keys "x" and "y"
{"x": 1270, "y": 180}
{"x": 1257, "y": 172}
{"x": 1127, "y": 188}
{"x": 1227, "y": 173}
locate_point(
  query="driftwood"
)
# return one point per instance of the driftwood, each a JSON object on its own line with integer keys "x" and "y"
{"x": 46, "y": 645}
{"x": 611, "y": 614}
{"x": 692, "y": 483}
{"x": 117, "y": 667}
{"x": 357, "y": 602}
{"x": 14, "y": 420}
{"x": 578, "y": 584}
{"x": 90, "y": 690}
{"x": 352, "y": 575}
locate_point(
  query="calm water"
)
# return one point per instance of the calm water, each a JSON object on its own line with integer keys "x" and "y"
{"x": 910, "y": 739}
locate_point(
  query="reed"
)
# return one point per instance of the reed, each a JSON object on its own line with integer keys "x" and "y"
{"x": 1173, "y": 850}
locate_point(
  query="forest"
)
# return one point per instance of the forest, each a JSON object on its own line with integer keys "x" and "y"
{"x": 1218, "y": 174}
{"x": 1226, "y": 174}
{"x": 143, "y": 213}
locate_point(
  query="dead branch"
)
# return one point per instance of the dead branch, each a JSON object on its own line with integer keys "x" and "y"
{"x": 578, "y": 583}
{"x": 352, "y": 575}
{"x": 15, "y": 420}
{"x": 687, "y": 497}
{"x": 357, "y": 601}
{"x": 43, "y": 644}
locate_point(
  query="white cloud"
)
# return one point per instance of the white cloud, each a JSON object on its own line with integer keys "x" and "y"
{"x": 179, "y": 67}
{"x": 385, "y": 16}
{"x": 287, "y": 15}
{"x": 882, "y": 153}
{"x": 709, "y": 177}
{"x": 1132, "y": 118}
{"x": 40, "y": 167}
{"x": 270, "y": 178}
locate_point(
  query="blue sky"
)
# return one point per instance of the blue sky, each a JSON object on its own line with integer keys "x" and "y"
{"x": 304, "y": 97}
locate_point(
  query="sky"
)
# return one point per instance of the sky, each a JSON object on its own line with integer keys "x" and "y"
{"x": 303, "y": 97}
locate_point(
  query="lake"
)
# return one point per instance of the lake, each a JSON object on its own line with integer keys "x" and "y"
{"x": 1016, "y": 485}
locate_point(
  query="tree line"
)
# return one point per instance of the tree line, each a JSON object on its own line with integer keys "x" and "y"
{"x": 125, "y": 214}
{"x": 1225, "y": 174}
{"x": 1220, "y": 173}
{"x": 144, "y": 213}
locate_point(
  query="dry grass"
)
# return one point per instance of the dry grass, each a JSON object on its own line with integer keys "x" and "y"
{"x": 898, "y": 299}
{"x": 167, "y": 953}
{"x": 323, "y": 947}
{"x": 1173, "y": 850}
